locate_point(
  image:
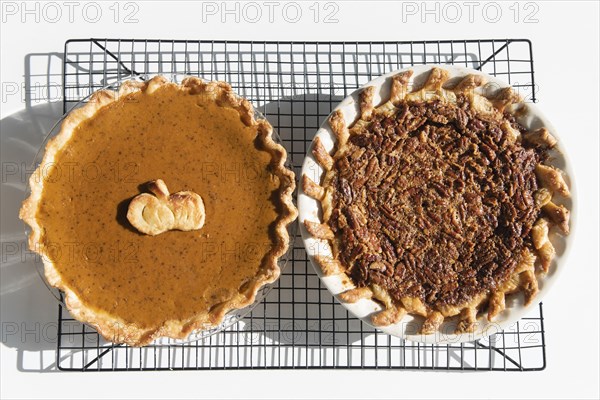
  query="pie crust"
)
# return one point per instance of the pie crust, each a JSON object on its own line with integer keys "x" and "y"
{"x": 365, "y": 257}
{"x": 162, "y": 211}
{"x": 110, "y": 326}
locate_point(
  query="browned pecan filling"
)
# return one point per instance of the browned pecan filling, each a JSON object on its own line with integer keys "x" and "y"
{"x": 434, "y": 202}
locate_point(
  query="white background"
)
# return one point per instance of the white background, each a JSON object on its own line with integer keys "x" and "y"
{"x": 565, "y": 44}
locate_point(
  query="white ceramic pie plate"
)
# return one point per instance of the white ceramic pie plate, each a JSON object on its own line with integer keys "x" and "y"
{"x": 309, "y": 209}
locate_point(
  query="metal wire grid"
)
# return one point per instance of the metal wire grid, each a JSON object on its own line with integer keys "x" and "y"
{"x": 295, "y": 85}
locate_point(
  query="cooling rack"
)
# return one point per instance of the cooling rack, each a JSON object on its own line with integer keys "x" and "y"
{"x": 295, "y": 85}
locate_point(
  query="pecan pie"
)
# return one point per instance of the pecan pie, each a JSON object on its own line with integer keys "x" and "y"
{"x": 437, "y": 203}
{"x": 139, "y": 266}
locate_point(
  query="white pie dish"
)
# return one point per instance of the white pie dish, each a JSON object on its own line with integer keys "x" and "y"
{"x": 407, "y": 328}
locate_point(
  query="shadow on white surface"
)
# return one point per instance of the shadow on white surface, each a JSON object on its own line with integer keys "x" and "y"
{"x": 28, "y": 308}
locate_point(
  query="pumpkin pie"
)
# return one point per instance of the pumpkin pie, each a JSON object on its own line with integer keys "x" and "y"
{"x": 437, "y": 202}
{"x": 160, "y": 207}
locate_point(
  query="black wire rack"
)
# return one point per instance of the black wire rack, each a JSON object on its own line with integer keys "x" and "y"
{"x": 295, "y": 85}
